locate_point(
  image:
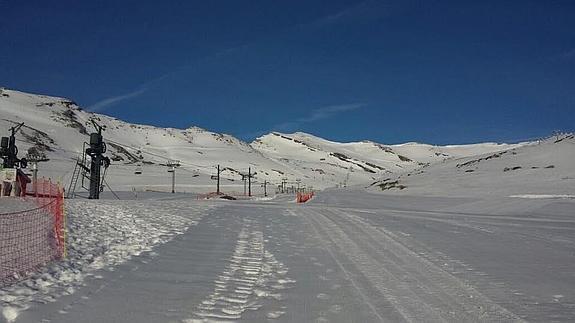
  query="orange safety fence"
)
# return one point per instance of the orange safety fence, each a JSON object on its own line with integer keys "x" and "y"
{"x": 32, "y": 238}
{"x": 304, "y": 197}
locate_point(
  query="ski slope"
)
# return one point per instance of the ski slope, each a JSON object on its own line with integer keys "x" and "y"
{"x": 346, "y": 256}
{"x": 59, "y": 127}
{"x": 542, "y": 168}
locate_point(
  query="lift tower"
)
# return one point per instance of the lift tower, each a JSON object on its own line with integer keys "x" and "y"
{"x": 95, "y": 151}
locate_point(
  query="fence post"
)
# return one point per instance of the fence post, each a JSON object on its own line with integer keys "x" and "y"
{"x": 64, "y": 223}
{"x": 50, "y": 197}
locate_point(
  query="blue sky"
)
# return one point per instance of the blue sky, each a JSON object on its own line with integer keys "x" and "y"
{"x": 389, "y": 71}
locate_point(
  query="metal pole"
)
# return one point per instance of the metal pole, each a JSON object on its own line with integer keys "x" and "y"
{"x": 97, "y": 148}
{"x": 265, "y": 189}
{"x": 218, "y": 191}
{"x": 35, "y": 177}
{"x": 173, "y": 179}
{"x": 95, "y": 177}
{"x": 249, "y": 181}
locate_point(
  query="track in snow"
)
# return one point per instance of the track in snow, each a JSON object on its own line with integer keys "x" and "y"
{"x": 252, "y": 274}
{"x": 390, "y": 276}
{"x": 262, "y": 261}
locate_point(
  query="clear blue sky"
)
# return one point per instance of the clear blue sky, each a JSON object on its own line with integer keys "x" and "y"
{"x": 390, "y": 71}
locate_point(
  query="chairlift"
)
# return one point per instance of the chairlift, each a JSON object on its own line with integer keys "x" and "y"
{"x": 138, "y": 171}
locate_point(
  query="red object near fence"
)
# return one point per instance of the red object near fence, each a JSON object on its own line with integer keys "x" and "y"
{"x": 304, "y": 197}
{"x": 32, "y": 238}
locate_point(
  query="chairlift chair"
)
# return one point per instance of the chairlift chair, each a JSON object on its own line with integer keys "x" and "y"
{"x": 138, "y": 171}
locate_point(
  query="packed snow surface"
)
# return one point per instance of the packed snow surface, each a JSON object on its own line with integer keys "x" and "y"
{"x": 544, "y": 196}
{"x": 345, "y": 256}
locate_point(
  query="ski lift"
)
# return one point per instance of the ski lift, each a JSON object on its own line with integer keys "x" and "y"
{"x": 138, "y": 171}
{"x": 172, "y": 164}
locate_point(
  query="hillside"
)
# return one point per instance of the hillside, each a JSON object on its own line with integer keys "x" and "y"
{"x": 58, "y": 127}
{"x": 537, "y": 170}
{"x": 358, "y": 162}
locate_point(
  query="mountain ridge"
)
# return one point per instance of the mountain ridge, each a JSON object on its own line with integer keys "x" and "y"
{"x": 58, "y": 127}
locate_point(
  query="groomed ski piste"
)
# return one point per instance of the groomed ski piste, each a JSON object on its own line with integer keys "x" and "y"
{"x": 484, "y": 234}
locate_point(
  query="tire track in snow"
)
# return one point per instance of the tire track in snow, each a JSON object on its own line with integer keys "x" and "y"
{"x": 456, "y": 300}
{"x": 416, "y": 288}
{"x": 252, "y": 275}
{"x": 523, "y": 305}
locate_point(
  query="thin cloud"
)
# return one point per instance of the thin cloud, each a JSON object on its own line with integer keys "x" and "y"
{"x": 568, "y": 54}
{"x": 101, "y": 105}
{"x": 316, "y": 115}
{"x": 563, "y": 56}
{"x": 347, "y": 12}
{"x": 150, "y": 85}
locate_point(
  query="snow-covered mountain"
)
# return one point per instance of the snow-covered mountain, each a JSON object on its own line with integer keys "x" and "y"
{"x": 59, "y": 127}
{"x": 358, "y": 162}
{"x": 542, "y": 169}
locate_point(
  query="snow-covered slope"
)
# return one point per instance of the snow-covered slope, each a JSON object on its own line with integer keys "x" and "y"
{"x": 358, "y": 162}
{"x": 59, "y": 128}
{"x": 538, "y": 169}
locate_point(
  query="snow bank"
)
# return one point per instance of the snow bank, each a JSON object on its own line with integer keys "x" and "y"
{"x": 102, "y": 235}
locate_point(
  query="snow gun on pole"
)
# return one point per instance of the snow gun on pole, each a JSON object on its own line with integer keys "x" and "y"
{"x": 96, "y": 150}
{"x": 9, "y": 150}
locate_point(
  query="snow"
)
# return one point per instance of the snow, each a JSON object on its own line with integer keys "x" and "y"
{"x": 356, "y": 162}
{"x": 467, "y": 233}
{"x": 347, "y": 255}
{"x": 60, "y": 126}
{"x": 101, "y": 235}
{"x": 10, "y": 313}
{"x": 543, "y": 168}
{"x": 544, "y": 196}
{"x": 252, "y": 274}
